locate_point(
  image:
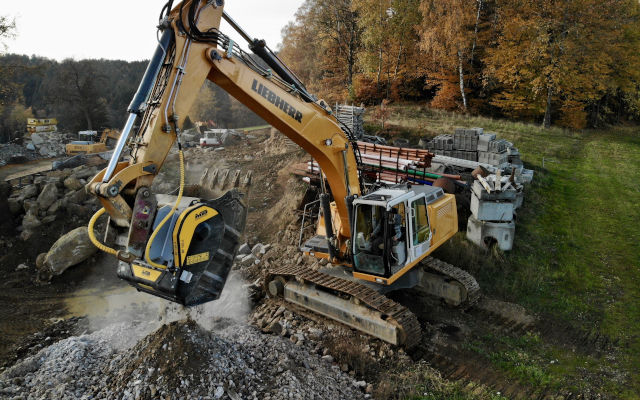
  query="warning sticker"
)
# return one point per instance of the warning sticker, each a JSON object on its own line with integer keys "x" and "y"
{"x": 197, "y": 258}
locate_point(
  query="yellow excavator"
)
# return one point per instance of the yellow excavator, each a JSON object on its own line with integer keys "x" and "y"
{"x": 377, "y": 239}
{"x": 90, "y": 146}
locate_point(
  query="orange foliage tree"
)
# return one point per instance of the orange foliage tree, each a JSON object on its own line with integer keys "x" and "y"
{"x": 559, "y": 56}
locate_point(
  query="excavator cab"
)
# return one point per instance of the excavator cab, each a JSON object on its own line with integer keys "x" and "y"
{"x": 391, "y": 229}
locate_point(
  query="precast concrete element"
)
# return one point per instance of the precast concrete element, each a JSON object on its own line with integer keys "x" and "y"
{"x": 501, "y": 211}
{"x": 508, "y": 193}
{"x": 483, "y": 233}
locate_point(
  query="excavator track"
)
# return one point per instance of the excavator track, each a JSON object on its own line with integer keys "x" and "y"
{"x": 405, "y": 320}
{"x": 464, "y": 278}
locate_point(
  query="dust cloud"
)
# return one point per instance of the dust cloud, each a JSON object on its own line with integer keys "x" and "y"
{"x": 144, "y": 313}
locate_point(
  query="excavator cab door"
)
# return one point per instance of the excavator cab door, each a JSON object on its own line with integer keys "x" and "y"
{"x": 419, "y": 229}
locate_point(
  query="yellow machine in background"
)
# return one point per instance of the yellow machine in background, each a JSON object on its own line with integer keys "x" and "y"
{"x": 378, "y": 239}
{"x": 90, "y": 146}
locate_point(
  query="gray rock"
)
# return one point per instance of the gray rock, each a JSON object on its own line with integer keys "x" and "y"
{"x": 30, "y": 220}
{"x": 37, "y": 139}
{"x": 78, "y": 197}
{"x": 259, "y": 250}
{"x": 248, "y": 260}
{"x": 48, "y": 219}
{"x": 244, "y": 249}
{"x": 48, "y": 196}
{"x": 28, "y": 192}
{"x": 69, "y": 250}
{"x": 73, "y": 183}
{"x": 55, "y": 207}
{"x": 21, "y": 267}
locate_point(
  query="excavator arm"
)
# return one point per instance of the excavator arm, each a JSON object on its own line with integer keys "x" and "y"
{"x": 192, "y": 49}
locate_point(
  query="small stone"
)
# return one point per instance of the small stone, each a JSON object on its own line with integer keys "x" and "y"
{"x": 275, "y": 327}
{"x": 244, "y": 249}
{"x": 328, "y": 358}
{"x": 360, "y": 384}
{"x": 21, "y": 267}
{"x": 218, "y": 393}
{"x": 48, "y": 219}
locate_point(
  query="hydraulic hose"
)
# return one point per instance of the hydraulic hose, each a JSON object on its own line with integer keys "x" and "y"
{"x": 168, "y": 216}
{"x": 92, "y": 235}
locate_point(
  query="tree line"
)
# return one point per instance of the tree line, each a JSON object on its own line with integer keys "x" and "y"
{"x": 574, "y": 63}
{"x": 91, "y": 95}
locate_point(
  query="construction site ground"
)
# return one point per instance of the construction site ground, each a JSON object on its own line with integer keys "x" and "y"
{"x": 559, "y": 317}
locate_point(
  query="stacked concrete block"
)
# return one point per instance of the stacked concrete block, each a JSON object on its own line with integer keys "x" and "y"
{"x": 484, "y": 140}
{"x": 352, "y": 117}
{"x": 494, "y": 201}
{"x": 495, "y": 159}
{"x": 443, "y": 142}
{"x": 466, "y": 139}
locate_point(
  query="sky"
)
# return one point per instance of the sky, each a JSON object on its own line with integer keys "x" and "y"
{"x": 123, "y": 29}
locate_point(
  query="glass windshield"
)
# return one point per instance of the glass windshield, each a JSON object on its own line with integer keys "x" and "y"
{"x": 368, "y": 239}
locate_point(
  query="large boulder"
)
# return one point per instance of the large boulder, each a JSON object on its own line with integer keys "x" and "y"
{"x": 48, "y": 196}
{"x": 71, "y": 249}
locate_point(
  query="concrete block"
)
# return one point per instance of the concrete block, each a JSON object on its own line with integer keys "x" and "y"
{"x": 491, "y": 210}
{"x": 505, "y": 195}
{"x": 519, "y": 200}
{"x": 483, "y": 141}
{"x": 484, "y": 233}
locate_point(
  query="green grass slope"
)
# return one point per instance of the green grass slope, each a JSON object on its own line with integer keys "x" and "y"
{"x": 576, "y": 258}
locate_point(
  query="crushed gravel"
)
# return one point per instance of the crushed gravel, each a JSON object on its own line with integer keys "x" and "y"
{"x": 178, "y": 360}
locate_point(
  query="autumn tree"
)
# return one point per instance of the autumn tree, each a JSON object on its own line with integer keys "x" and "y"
{"x": 389, "y": 54}
{"x": 322, "y": 45}
{"x": 559, "y": 56}
{"x": 449, "y": 37}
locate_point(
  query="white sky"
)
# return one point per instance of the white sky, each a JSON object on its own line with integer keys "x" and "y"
{"x": 123, "y": 29}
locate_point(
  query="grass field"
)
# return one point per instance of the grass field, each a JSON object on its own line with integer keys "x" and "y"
{"x": 576, "y": 258}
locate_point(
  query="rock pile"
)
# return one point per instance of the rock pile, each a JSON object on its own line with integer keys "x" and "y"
{"x": 11, "y": 153}
{"x": 47, "y": 144}
{"x": 50, "y": 195}
{"x": 179, "y": 360}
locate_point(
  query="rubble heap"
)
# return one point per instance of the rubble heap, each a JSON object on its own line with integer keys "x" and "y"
{"x": 12, "y": 153}
{"x": 48, "y": 196}
{"x": 182, "y": 360}
{"x": 47, "y": 144}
